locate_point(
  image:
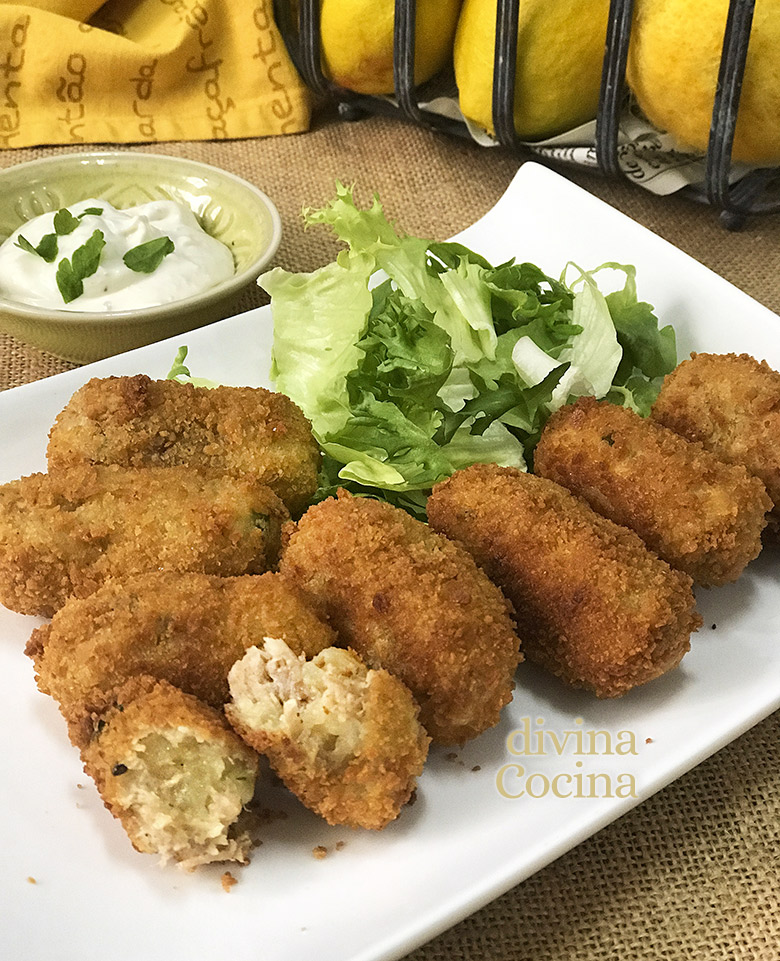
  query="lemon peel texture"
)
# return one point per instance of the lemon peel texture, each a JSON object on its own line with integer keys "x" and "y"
{"x": 673, "y": 70}
{"x": 560, "y": 50}
{"x": 357, "y": 41}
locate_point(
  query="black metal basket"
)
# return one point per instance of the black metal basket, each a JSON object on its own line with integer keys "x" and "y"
{"x": 750, "y": 195}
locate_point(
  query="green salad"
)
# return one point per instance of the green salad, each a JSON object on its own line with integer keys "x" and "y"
{"x": 414, "y": 358}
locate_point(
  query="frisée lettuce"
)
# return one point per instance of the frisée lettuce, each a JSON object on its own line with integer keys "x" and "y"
{"x": 413, "y": 358}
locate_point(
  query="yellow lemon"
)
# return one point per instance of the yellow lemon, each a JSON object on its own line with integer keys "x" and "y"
{"x": 357, "y": 41}
{"x": 673, "y": 70}
{"x": 560, "y": 49}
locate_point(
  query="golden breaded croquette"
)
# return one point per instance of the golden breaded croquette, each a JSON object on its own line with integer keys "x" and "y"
{"x": 345, "y": 739}
{"x": 592, "y": 604}
{"x": 187, "y": 629}
{"x": 730, "y": 404}
{"x": 139, "y": 422}
{"x": 170, "y": 768}
{"x": 700, "y": 515}
{"x": 64, "y": 534}
{"x": 407, "y": 600}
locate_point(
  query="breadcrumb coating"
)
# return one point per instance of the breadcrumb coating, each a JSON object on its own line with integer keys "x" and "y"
{"x": 345, "y": 739}
{"x": 139, "y": 422}
{"x": 730, "y": 404}
{"x": 174, "y": 773}
{"x": 64, "y": 534}
{"x": 187, "y": 629}
{"x": 408, "y": 600}
{"x": 593, "y": 605}
{"x": 700, "y": 515}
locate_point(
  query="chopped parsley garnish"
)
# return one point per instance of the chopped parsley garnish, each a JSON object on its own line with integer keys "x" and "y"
{"x": 47, "y": 248}
{"x": 84, "y": 263}
{"x": 146, "y": 258}
{"x": 85, "y": 260}
{"x": 24, "y": 244}
{"x": 69, "y": 283}
{"x": 65, "y": 222}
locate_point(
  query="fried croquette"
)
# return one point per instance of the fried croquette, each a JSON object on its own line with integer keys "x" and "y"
{"x": 174, "y": 773}
{"x": 139, "y": 422}
{"x": 731, "y": 405}
{"x": 187, "y": 629}
{"x": 64, "y": 534}
{"x": 700, "y": 515}
{"x": 592, "y": 604}
{"x": 408, "y": 600}
{"x": 345, "y": 739}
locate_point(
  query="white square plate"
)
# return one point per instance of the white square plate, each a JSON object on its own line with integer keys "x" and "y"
{"x": 462, "y": 843}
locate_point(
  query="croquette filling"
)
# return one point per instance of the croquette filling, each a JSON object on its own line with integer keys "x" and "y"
{"x": 185, "y": 794}
{"x": 317, "y": 703}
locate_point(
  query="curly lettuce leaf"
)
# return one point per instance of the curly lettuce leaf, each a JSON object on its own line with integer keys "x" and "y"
{"x": 318, "y": 319}
{"x": 593, "y": 354}
{"x": 181, "y": 373}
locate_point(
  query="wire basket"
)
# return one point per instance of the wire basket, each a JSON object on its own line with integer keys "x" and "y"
{"x": 755, "y": 193}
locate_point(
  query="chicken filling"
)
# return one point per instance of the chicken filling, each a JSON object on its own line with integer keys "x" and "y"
{"x": 185, "y": 794}
{"x": 316, "y": 703}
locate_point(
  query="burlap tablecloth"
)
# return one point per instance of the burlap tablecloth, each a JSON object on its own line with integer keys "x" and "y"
{"x": 693, "y": 873}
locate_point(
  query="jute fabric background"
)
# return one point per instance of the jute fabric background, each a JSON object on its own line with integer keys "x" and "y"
{"x": 693, "y": 873}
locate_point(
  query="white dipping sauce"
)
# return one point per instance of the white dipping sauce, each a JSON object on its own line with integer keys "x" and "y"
{"x": 197, "y": 262}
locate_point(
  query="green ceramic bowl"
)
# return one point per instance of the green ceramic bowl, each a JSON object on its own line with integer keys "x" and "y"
{"x": 228, "y": 208}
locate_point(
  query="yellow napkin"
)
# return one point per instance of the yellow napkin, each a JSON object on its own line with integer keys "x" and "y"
{"x": 82, "y": 71}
